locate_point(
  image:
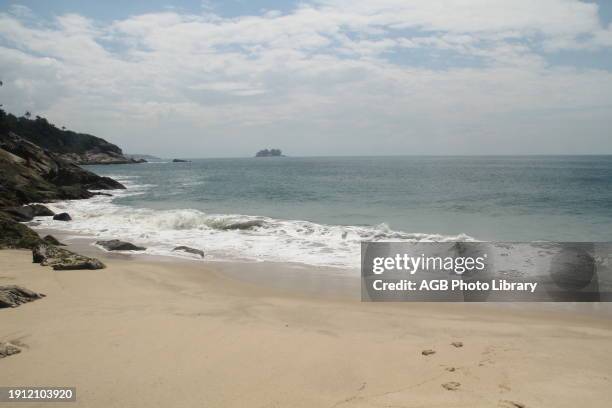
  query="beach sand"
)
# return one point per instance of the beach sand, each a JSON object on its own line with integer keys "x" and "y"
{"x": 150, "y": 333}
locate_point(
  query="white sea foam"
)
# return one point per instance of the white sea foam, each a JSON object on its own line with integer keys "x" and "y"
{"x": 223, "y": 236}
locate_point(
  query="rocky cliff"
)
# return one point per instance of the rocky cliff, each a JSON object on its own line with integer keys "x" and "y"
{"x": 79, "y": 148}
{"x": 29, "y": 173}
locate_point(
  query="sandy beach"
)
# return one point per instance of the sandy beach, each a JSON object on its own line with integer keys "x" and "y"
{"x": 306, "y": 204}
{"x": 180, "y": 334}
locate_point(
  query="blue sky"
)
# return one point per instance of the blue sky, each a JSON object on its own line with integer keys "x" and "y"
{"x": 118, "y": 9}
{"x": 195, "y": 78}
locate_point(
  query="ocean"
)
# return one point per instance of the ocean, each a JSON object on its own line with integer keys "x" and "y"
{"x": 317, "y": 210}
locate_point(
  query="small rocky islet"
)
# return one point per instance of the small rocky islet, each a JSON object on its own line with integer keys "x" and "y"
{"x": 269, "y": 153}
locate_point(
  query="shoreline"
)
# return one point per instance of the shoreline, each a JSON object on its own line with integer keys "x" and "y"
{"x": 295, "y": 278}
{"x": 151, "y": 333}
{"x": 309, "y": 280}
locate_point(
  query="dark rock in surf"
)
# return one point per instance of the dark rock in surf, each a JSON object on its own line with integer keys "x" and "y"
{"x": 243, "y": 225}
{"x": 190, "y": 250}
{"x": 62, "y": 217}
{"x": 117, "y": 245}
{"x": 13, "y": 296}
{"x": 181, "y": 161}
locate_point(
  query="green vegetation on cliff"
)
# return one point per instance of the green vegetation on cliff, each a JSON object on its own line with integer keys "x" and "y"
{"x": 79, "y": 148}
{"x": 46, "y": 135}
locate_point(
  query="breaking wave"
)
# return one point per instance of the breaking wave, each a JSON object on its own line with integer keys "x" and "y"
{"x": 224, "y": 236}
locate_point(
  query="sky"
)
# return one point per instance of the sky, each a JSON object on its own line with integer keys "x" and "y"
{"x": 322, "y": 77}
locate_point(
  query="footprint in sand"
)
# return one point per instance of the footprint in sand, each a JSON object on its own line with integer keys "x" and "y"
{"x": 487, "y": 360}
{"x": 451, "y": 385}
{"x": 8, "y": 349}
{"x": 504, "y": 387}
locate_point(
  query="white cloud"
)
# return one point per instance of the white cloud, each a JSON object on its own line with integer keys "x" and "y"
{"x": 416, "y": 77}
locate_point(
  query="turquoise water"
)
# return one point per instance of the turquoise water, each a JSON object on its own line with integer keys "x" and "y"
{"x": 560, "y": 198}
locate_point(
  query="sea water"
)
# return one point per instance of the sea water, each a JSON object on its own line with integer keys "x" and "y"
{"x": 317, "y": 210}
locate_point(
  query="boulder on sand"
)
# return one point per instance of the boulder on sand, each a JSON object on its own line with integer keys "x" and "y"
{"x": 190, "y": 250}
{"x": 13, "y": 296}
{"x": 117, "y": 245}
{"x": 61, "y": 259}
{"x": 62, "y": 217}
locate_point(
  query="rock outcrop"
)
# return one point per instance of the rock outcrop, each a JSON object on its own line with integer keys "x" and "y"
{"x": 143, "y": 157}
{"x": 51, "y": 240}
{"x": 41, "y": 211}
{"x": 62, "y": 259}
{"x": 117, "y": 245}
{"x": 30, "y": 174}
{"x": 13, "y": 296}
{"x": 180, "y": 161}
{"x": 16, "y": 235}
{"x": 28, "y": 212}
{"x": 78, "y": 148}
{"x": 98, "y": 157}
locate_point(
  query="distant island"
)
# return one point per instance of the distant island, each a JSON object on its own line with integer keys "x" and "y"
{"x": 269, "y": 153}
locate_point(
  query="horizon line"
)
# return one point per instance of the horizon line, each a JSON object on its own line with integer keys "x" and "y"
{"x": 382, "y": 156}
